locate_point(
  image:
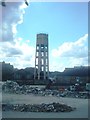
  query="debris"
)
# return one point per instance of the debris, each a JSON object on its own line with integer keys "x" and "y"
{"x": 13, "y": 87}
{"x": 51, "y": 107}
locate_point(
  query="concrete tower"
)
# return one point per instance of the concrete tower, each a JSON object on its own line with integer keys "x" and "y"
{"x": 41, "y": 57}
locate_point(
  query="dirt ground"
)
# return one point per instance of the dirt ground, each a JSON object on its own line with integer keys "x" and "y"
{"x": 80, "y": 104}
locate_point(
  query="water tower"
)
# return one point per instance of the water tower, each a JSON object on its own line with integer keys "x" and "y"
{"x": 41, "y": 57}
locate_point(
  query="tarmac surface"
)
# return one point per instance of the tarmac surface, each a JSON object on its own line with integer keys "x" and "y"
{"x": 80, "y": 104}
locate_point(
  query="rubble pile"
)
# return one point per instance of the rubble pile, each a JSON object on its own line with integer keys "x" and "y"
{"x": 52, "y": 107}
{"x": 10, "y": 86}
{"x": 13, "y": 87}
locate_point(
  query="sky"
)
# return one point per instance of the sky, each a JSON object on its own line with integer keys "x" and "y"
{"x": 66, "y": 24}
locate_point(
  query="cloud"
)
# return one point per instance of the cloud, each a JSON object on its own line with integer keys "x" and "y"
{"x": 56, "y": 66}
{"x": 77, "y": 49}
{"x": 9, "y": 49}
{"x": 12, "y": 49}
{"x": 20, "y": 54}
{"x": 11, "y": 16}
{"x": 71, "y": 54}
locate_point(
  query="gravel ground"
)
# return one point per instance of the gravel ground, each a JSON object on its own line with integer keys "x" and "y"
{"x": 80, "y": 104}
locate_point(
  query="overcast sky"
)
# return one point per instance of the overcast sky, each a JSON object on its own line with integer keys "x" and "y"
{"x": 66, "y": 23}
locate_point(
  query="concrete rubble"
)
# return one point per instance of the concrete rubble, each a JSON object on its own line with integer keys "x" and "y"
{"x": 52, "y": 107}
{"x": 13, "y": 87}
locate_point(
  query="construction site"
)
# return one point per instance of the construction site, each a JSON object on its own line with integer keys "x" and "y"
{"x": 42, "y": 99}
{"x": 42, "y": 77}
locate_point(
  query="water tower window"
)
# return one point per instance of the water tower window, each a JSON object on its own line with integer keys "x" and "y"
{"x": 42, "y": 68}
{"x": 36, "y": 61}
{"x": 37, "y": 54}
{"x": 38, "y": 47}
{"x": 46, "y": 61}
{"x": 42, "y": 54}
{"x": 45, "y": 47}
{"x": 46, "y": 69}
